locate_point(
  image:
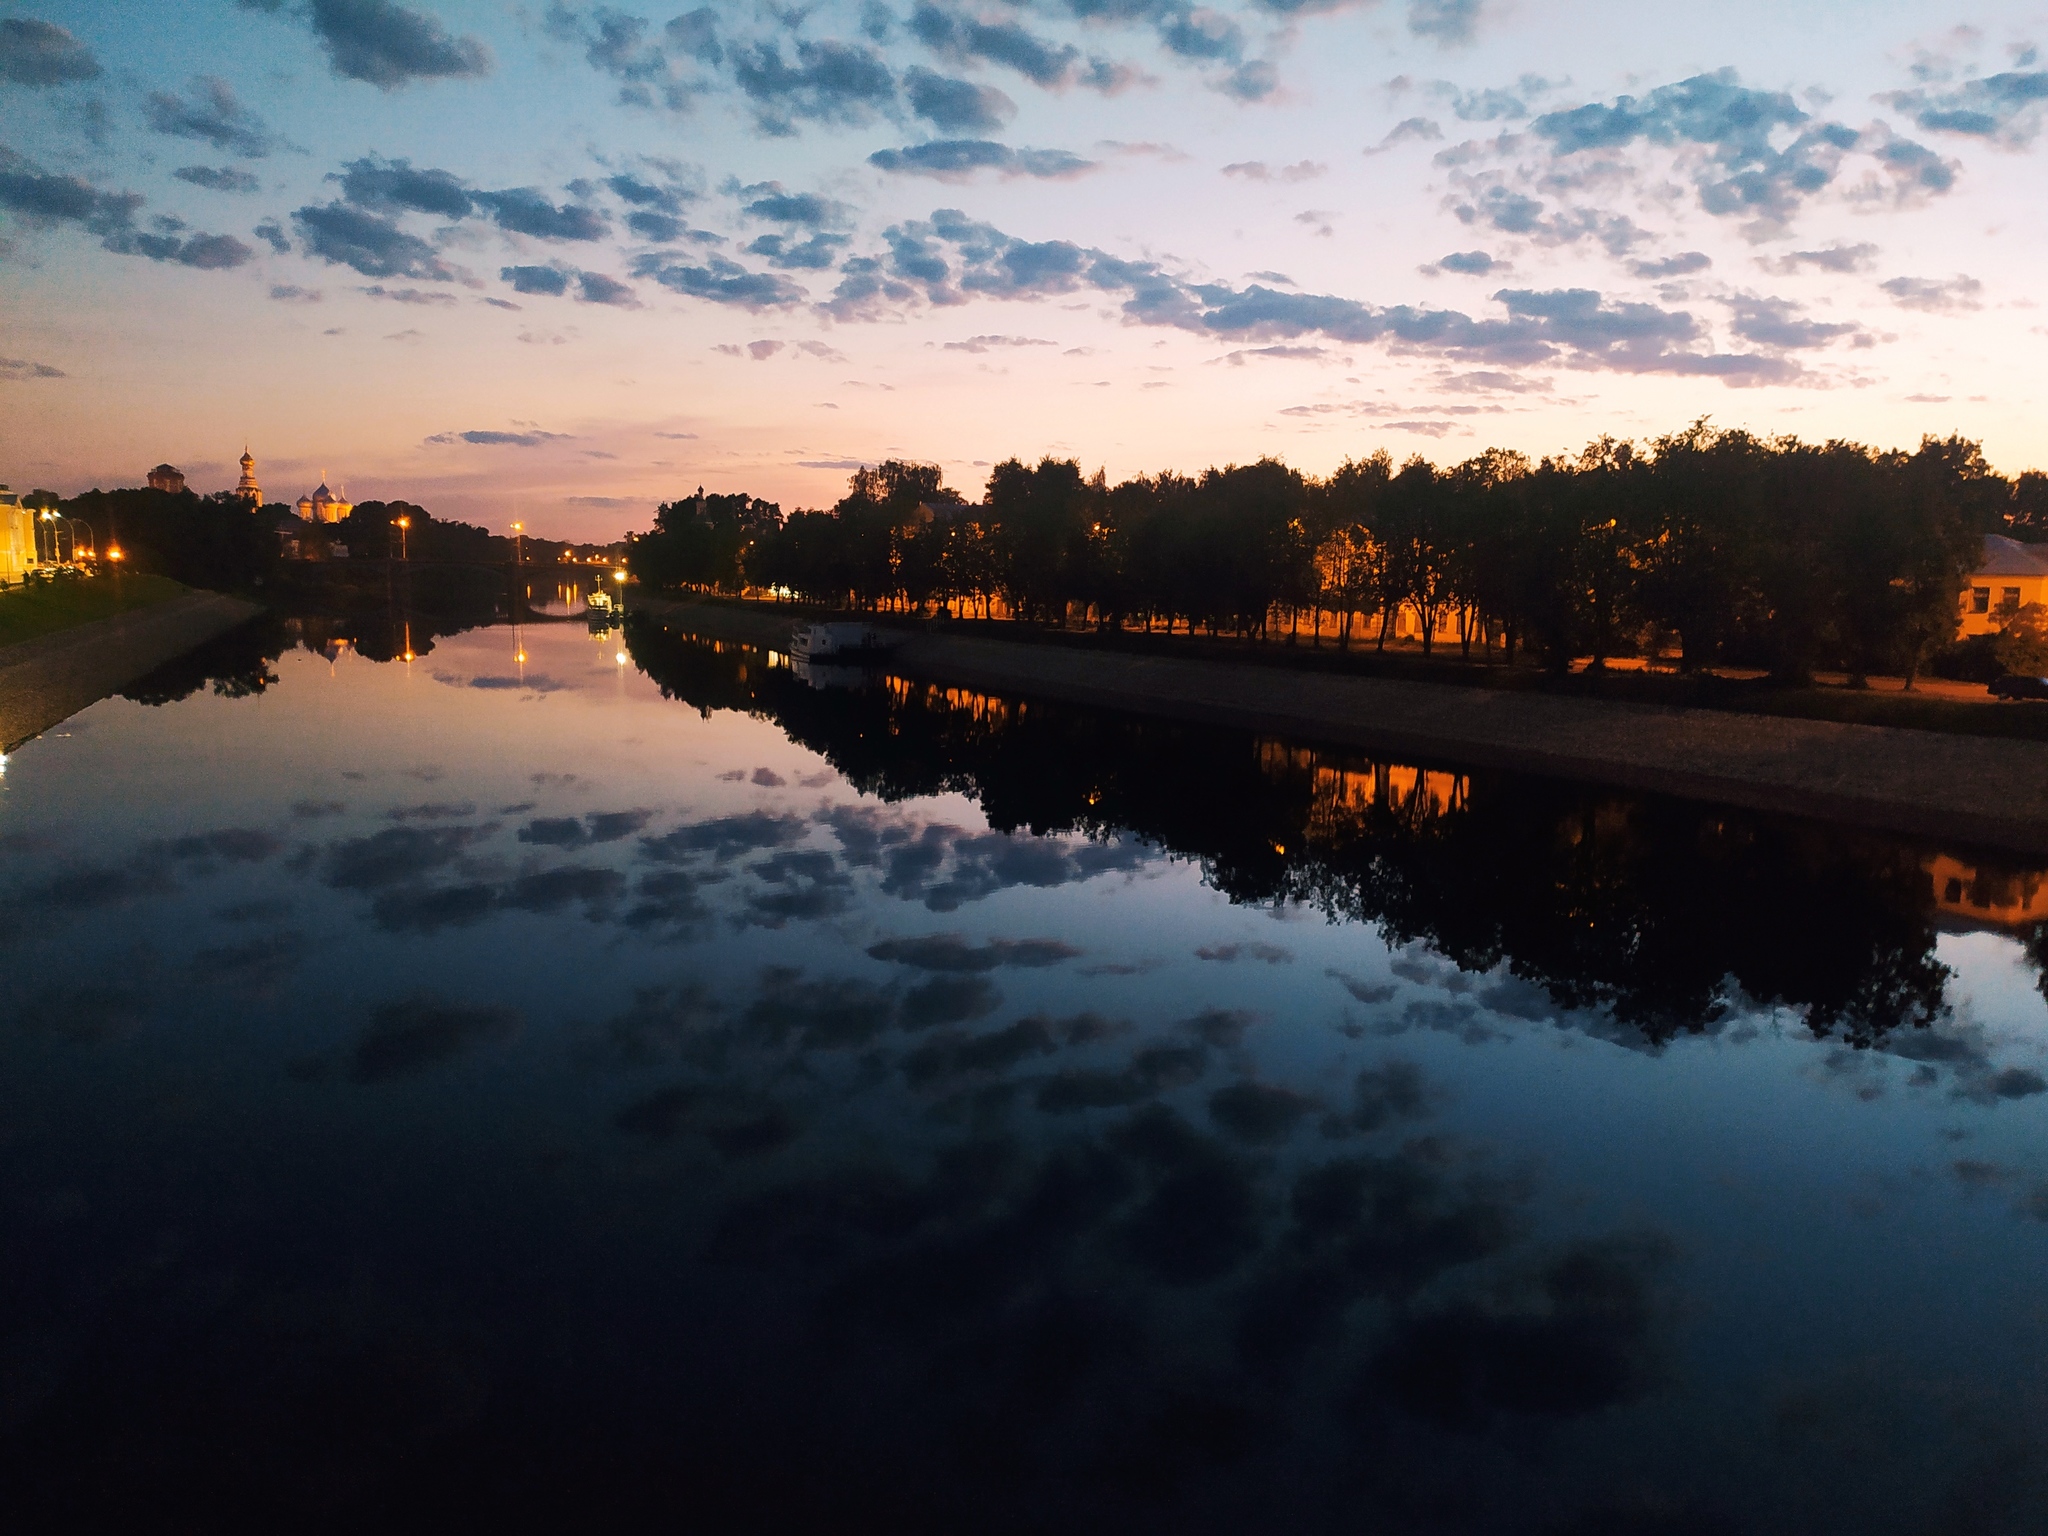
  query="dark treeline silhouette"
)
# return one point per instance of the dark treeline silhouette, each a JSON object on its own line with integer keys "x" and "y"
{"x": 1661, "y": 911}
{"x": 370, "y": 532}
{"x": 202, "y": 541}
{"x": 1722, "y": 546}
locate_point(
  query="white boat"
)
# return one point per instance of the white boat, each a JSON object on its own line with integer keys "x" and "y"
{"x": 818, "y": 642}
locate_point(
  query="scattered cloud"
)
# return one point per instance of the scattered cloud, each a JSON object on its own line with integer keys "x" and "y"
{"x": 1833, "y": 258}
{"x": 489, "y": 439}
{"x": 226, "y": 178}
{"x": 17, "y": 368}
{"x": 347, "y": 236}
{"x": 1935, "y": 295}
{"x": 36, "y": 52}
{"x": 211, "y": 113}
{"x": 1258, "y": 170}
{"x": 390, "y": 45}
{"x": 981, "y": 344}
{"x": 956, "y": 106}
{"x": 959, "y": 159}
{"x": 420, "y": 296}
{"x": 2005, "y": 107}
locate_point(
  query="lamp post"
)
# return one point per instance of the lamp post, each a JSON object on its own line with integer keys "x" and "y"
{"x": 620, "y": 578}
{"x": 401, "y": 524}
{"x": 115, "y": 554}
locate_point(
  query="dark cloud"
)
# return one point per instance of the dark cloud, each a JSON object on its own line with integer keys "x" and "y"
{"x": 956, "y": 106}
{"x": 944, "y": 866}
{"x": 1581, "y": 1340}
{"x": 949, "y": 1000}
{"x": 389, "y": 45}
{"x": 273, "y": 235}
{"x": 829, "y": 1015}
{"x": 645, "y": 194}
{"x": 1254, "y": 80}
{"x": 952, "y": 1054}
{"x": 209, "y": 112}
{"x": 767, "y": 200}
{"x": 1265, "y": 954}
{"x": 1257, "y": 1113}
{"x": 2005, "y": 106}
{"x": 525, "y": 211}
{"x": 553, "y": 832}
{"x": 596, "y": 288}
{"x": 1471, "y": 263}
{"x": 390, "y": 186}
{"x": 736, "y": 1125}
{"x": 802, "y": 887}
{"x": 1004, "y": 42}
{"x": 36, "y": 52}
{"x": 347, "y": 236}
{"x": 404, "y": 1038}
{"x": 1408, "y": 130}
{"x": 226, "y": 178}
{"x": 1383, "y": 1094}
{"x": 830, "y": 82}
{"x": 951, "y": 952}
{"x": 727, "y": 837}
{"x": 1151, "y": 1071}
{"x": 1935, "y": 295}
{"x": 397, "y": 855}
{"x": 82, "y": 887}
{"x": 720, "y": 281}
{"x": 2007, "y": 1084}
{"x": 958, "y": 159}
{"x": 649, "y": 66}
{"x": 422, "y": 297}
{"x": 812, "y": 255}
{"x": 546, "y": 280}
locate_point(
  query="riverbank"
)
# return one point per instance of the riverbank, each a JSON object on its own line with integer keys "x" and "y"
{"x": 49, "y": 678}
{"x": 1920, "y": 782}
{"x": 45, "y": 607}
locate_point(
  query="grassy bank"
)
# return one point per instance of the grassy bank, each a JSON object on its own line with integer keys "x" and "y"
{"x": 1977, "y": 715}
{"x": 45, "y": 607}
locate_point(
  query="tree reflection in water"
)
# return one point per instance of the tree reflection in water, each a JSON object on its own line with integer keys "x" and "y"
{"x": 1664, "y": 913}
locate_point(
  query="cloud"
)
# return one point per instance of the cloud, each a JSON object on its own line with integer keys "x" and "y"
{"x": 212, "y": 114}
{"x": 727, "y": 837}
{"x": 1258, "y": 170}
{"x": 948, "y": 257}
{"x": 1255, "y": 80}
{"x": 1684, "y": 264}
{"x": 408, "y": 1037}
{"x": 812, "y": 255}
{"x": 397, "y": 855}
{"x": 390, "y": 186}
{"x": 226, "y": 179}
{"x": 1265, "y": 954}
{"x": 40, "y": 199}
{"x": 981, "y": 344}
{"x": 951, "y": 952}
{"x": 1470, "y": 263}
{"x": 1051, "y": 65}
{"x": 547, "y": 280}
{"x": 830, "y": 82}
{"x": 956, "y": 106}
{"x": 1408, "y": 130}
{"x": 1935, "y": 295}
{"x": 418, "y": 296}
{"x": 347, "y": 236}
{"x": 959, "y": 159}
{"x": 490, "y": 439}
{"x": 767, "y": 200}
{"x": 1745, "y": 172}
{"x": 1781, "y": 324}
{"x": 2005, "y": 107}
{"x": 17, "y": 368}
{"x": 36, "y": 52}
{"x": 273, "y": 236}
{"x": 596, "y": 288}
{"x": 390, "y": 45}
{"x": 525, "y": 211}
{"x": 720, "y": 281}
{"x": 1446, "y": 21}
{"x": 1834, "y": 258}
{"x": 1256, "y": 1113}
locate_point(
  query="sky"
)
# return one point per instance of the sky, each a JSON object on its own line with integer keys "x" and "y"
{"x": 559, "y": 262}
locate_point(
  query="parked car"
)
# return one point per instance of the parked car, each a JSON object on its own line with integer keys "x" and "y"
{"x": 2013, "y": 686}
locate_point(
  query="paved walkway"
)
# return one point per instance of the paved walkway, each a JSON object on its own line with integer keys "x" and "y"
{"x": 49, "y": 679}
{"x": 1969, "y": 788}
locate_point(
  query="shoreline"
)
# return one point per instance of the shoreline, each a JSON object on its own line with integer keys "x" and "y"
{"x": 1981, "y": 790}
{"x": 46, "y": 680}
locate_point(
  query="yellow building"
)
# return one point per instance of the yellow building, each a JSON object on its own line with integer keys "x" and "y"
{"x": 247, "y": 491}
{"x": 324, "y": 506}
{"x": 2009, "y": 576}
{"x": 17, "y": 539}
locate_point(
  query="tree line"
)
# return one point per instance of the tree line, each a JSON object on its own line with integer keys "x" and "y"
{"x": 1720, "y": 545}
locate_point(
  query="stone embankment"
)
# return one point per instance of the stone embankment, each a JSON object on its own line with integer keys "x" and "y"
{"x": 49, "y": 679}
{"x": 1971, "y": 789}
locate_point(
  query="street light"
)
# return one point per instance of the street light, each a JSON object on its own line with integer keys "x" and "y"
{"x": 518, "y": 546}
{"x": 402, "y": 524}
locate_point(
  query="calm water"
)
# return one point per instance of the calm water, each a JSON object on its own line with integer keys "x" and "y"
{"x": 628, "y": 1086}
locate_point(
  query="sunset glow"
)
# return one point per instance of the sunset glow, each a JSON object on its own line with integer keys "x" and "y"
{"x": 559, "y": 262}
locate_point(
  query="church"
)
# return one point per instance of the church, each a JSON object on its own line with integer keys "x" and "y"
{"x": 324, "y": 506}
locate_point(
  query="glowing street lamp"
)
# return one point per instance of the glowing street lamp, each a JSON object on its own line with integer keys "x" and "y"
{"x": 401, "y": 524}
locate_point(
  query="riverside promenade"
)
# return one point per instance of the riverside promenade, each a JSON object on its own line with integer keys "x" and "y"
{"x": 49, "y": 679}
{"x": 1972, "y": 789}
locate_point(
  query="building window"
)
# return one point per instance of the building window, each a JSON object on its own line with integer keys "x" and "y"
{"x": 2009, "y": 600}
{"x": 1980, "y": 599}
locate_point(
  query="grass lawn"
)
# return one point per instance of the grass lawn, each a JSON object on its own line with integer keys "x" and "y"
{"x": 44, "y": 607}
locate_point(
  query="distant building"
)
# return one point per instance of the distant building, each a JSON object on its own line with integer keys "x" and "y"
{"x": 324, "y": 506}
{"x": 167, "y": 477}
{"x": 17, "y": 538}
{"x": 2009, "y": 576}
{"x": 247, "y": 490}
